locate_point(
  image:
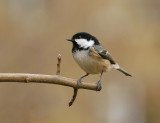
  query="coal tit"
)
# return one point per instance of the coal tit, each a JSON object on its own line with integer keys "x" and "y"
{"x": 91, "y": 56}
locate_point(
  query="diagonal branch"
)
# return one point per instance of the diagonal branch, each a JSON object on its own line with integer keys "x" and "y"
{"x": 41, "y": 78}
{"x": 50, "y": 79}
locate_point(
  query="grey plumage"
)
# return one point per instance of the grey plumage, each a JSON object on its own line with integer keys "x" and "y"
{"x": 91, "y": 56}
{"x": 105, "y": 54}
{"x": 124, "y": 72}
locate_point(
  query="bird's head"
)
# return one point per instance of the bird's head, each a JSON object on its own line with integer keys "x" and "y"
{"x": 83, "y": 40}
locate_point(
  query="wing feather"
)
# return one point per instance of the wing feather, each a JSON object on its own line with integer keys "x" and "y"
{"x": 104, "y": 53}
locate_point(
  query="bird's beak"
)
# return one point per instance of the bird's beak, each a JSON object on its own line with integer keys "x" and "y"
{"x": 69, "y": 39}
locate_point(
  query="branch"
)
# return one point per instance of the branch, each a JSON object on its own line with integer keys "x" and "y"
{"x": 50, "y": 79}
{"x": 73, "y": 97}
{"x": 58, "y": 64}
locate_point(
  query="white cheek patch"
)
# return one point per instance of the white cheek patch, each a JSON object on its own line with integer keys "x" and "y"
{"x": 84, "y": 43}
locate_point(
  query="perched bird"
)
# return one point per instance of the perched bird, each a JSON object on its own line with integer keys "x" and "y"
{"x": 91, "y": 56}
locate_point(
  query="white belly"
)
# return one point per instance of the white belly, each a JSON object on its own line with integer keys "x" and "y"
{"x": 90, "y": 64}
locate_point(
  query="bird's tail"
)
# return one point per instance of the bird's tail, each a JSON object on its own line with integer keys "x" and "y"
{"x": 116, "y": 66}
{"x": 124, "y": 72}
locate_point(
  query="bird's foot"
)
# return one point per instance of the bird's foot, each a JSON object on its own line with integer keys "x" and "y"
{"x": 98, "y": 85}
{"x": 79, "y": 80}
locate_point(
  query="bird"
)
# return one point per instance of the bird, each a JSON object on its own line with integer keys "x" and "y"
{"x": 92, "y": 56}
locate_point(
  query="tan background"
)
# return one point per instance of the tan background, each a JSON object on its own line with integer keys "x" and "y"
{"x": 33, "y": 33}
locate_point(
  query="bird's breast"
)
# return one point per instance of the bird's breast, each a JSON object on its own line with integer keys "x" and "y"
{"x": 89, "y": 63}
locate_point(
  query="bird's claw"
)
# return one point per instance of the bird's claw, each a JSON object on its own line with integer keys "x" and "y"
{"x": 98, "y": 85}
{"x": 79, "y": 80}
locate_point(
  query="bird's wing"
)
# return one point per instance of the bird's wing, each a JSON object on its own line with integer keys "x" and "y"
{"x": 104, "y": 53}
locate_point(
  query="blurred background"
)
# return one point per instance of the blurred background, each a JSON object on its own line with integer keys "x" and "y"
{"x": 33, "y": 33}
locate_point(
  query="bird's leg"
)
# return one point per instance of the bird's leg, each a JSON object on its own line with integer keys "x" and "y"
{"x": 80, "y": 79}
{"x": 99, "y": 82}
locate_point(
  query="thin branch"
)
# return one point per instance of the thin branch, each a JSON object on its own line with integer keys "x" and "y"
{"x": 59, "y": 58}
{"x": 74, "y": 96}
{"x": 50, "y": 79}
{"x": 58, "y": 64}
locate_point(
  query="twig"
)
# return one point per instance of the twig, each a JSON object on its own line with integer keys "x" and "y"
{"x": 58, "y": 64}
{"x": 58, "y": 73}
{"x": 50, "y": 79}
{"x": 74, "y": 97}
